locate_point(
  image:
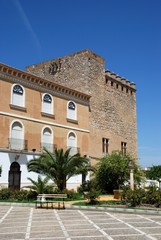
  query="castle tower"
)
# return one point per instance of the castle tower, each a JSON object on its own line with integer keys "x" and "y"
{"x": 113, "y": 99}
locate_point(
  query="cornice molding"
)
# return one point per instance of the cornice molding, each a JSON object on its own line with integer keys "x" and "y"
{"x": 42, "y": 85}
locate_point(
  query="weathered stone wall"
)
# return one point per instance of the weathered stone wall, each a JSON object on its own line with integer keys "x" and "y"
{"x": 120, "y": 108}
{"x": 113, "y": 101}
{"x": 77, "y": 71}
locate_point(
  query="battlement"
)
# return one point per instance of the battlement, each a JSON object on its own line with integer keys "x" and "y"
{"x": 120, "y": 83}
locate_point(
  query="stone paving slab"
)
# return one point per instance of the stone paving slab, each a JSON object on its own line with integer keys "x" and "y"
{"x": 111, "y": 225}
{"x": 49, "y": 238}
{"x": 79, "y": 227}
{"x": 152, "y": 230}
{"x": 143, "y": 224}
{"x": 99, "y": 237}
{"x": 44, "y": 223}
{"x": 158, "y": 237}
{"x": 28, "y": 223}
{"x": 8, "y": 236}
{"x": 10, "y": 229}
{"x": 45, "y": 234}
{"x": 138, "y": 237}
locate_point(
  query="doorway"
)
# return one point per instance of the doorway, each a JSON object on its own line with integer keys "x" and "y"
{"x": 14, "y": 176}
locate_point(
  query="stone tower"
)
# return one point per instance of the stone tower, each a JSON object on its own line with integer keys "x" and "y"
{"x": 112, "y": 104}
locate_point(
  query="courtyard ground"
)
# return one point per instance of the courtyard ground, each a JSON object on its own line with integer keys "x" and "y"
{"x": 28, "y": 223}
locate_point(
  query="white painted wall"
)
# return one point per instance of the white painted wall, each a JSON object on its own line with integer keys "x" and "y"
{"x": 6, "y": 160}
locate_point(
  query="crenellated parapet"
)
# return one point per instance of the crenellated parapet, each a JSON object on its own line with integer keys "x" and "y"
{"x": 120, "y": 83}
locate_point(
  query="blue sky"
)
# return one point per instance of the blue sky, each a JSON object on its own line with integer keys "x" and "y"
{"x": 126, "y": 33}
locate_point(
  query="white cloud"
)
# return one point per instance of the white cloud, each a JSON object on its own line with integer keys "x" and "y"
{"x": 28, "y": 24}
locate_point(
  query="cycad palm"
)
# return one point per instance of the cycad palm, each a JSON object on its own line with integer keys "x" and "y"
{"x": 59, "y": 167}
{"x": 41, "y": 185}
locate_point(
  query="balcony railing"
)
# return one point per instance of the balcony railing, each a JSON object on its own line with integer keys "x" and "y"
{"x": 18, "y": 144}
{"x": 50, "y": 147}
{"x": 73, "y": 150}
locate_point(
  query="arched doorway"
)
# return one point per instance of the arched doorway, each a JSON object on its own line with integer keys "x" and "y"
{"x": 14, "y": 176}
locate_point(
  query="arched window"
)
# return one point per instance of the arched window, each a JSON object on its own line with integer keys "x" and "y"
{"x": 18, "y": 95}
{"x": 47, "y": 139}
{"x": 71, "y": 110}
{"x": 47, "y": 104}
{"x": 17, "y": 136}
{"x": 72, "y": 143}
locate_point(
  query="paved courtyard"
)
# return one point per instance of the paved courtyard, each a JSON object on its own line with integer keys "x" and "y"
{"x": 26, "y": 223}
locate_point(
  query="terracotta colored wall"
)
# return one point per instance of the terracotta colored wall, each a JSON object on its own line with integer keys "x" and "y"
{"x": 31, "y": 116}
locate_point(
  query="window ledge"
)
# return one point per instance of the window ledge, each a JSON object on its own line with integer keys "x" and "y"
{"x": 72, "y": 120}
{"x": 16, "y": 107}
{"x": 48, "y": 115}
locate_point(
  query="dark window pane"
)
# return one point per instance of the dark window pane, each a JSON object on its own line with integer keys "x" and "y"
{"x": 47, "y": 98}
{"x": 71, "y": 106}
{"x": 18, "y": 89}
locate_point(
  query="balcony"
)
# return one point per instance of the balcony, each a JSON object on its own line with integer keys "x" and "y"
{"x": 50, "y": 147}
{"x": 18, "y": 144}
{"x": 73, "y": 150}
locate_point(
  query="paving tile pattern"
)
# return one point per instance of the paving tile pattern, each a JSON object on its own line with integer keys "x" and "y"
{"x": 27, "y": 223}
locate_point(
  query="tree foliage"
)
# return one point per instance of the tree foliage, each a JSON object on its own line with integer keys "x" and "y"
{"x": 154, "y": 173}
{"x": 58, "y": 167}
{"x": 113, "y": 171}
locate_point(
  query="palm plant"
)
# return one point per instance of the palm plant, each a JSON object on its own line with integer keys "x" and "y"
{"x": 85, "y": 169}
{"x": 41, "y": 185}
{"x": 58, "y": 167}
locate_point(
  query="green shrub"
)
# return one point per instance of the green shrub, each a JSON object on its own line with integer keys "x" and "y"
{"x": 134, "y": 198}
{"x": 124, "y": 189}
{"x": 17, "y": 195}
{"x": 6, "y": 193}
{"x": 86, "y": 186}
{"x": 71, "y": 194}
{"x": 20, "y": 195}
{"x": 153, "y": 196}
{"x": 93, "y": 196}
{"x": 32, "y": 195}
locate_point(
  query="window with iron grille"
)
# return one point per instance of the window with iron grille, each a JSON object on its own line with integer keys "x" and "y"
{"x": 105, "y": 143}
{"x": 71, "y": 110}
{"x": 123, "y": 147}
{"x": 47, "y": 104}
{"x": 18, "y": 96}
